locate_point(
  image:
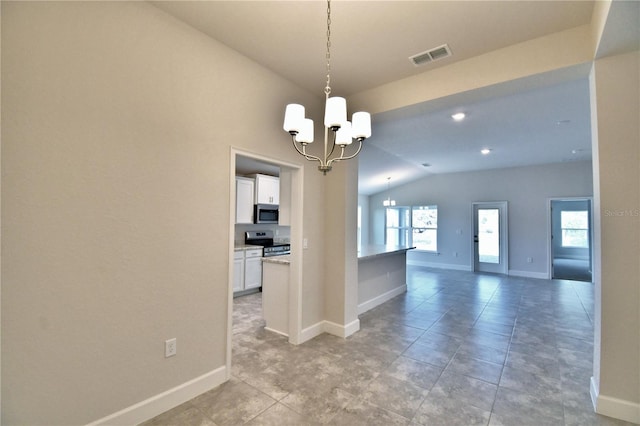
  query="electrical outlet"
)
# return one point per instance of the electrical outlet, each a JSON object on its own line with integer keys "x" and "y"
{"x": 305, "y": 243}
{"x": 529, "y": 259}
{"x": 170, "y": 347}
{"x": 455, "y": 254}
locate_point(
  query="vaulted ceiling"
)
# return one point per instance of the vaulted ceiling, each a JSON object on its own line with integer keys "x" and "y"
{"x": 371, "y": 42}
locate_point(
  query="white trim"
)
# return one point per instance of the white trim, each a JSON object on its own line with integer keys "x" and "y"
{"x": 330, "y": 328}
{"x": 311, "y": 332}
{"x": 378, "y": 300}
{"x": 295, "y": 271}
{"x": 503, "y": 207}
{"x": 164, "y": 401}
{"x": 342, "y": 330}
{"x": 613, "y": 407}
{"x": 529, "y": 274}
{"x": 550, "y": 233}
{"x": 276, "y": 331}
{"x": 439, "y": 265}
{"x": 593, "y": 390}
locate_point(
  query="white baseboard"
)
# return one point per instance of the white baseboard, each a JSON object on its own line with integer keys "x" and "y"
{"x": 378, "y": 300}
{"x": 331, "y": 328}
{"x": 614, "y": 407}
{"x": 164, "y": 401}
{"x": 276, "y": 331}
{"x": 529, "y": 274}
{"x": 311, "y": 332}
{"x": 439, "y": 265}
{"x": 342, "y": 330}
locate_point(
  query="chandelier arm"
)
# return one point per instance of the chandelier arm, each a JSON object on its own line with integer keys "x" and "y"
{"x": 333, "y": 143}
{"x": 342, "y": 157}
{"x": 303, "y": 152}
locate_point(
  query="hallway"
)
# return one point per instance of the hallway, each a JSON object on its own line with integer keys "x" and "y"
{"x": 458, "y": 348}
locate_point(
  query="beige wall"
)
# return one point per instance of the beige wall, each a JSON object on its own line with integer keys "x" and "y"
{"x": 117, "y": 122}
{"x": 617, "y": 218}
{"x": 341, "y": 265}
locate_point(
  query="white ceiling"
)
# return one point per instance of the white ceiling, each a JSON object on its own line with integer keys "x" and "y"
{"x": 371, "y": 44}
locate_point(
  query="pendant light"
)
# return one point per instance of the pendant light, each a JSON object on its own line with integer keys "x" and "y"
{"x": 337, "y": 130}
{"x": 389, "y": 202}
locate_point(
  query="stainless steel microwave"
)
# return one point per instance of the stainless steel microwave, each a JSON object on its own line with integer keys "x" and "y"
{"x": 265, "y": 213}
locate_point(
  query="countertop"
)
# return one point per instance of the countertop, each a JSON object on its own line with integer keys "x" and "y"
{"x": 375, "y": 250}
{"x": 240, "y": 247}
{"x": 280, "y": 260}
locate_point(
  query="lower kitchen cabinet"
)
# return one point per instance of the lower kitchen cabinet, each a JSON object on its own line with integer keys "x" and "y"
{"x": 238, "y": 270}
{"x": 247, "y": 269}
{"x": 252, "y": 268}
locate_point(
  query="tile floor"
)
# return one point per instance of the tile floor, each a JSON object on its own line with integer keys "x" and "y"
{"x": 457, "y": 349}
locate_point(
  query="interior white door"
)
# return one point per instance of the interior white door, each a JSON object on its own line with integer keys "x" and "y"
{"x": 490, "y": 237}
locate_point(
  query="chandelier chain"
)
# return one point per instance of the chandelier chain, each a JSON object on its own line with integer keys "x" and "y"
{"x": 327, "y": 89}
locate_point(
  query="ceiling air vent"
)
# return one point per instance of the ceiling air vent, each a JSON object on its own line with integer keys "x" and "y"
{"x": 435, "y": 54}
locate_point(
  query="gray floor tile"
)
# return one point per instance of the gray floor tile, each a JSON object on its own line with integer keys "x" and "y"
{"x": 464, "y": 390}
{"x": 457, "y": 348}
{"x": 362, "y": 413}
{"x": 478, "y": 369}
{"x": 278, "y": 415}
{"x": 545, "y": 387}
{"x": 318, "y": 404}
{"x": 483, "y": 352}
{"x": 232, "y": 403}
{"x": 431, "y": 354}
{"x": 398, "y": 396}
{"x": 186, "y": 414}
{"x": 419, "y": 373}
{"x": 438, "y": 410}
{"x": 513, "y": 407}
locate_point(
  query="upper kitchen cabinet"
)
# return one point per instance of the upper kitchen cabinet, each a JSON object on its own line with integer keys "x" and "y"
{"x": 267, "y": 189}
{"x": 244, "y": 199}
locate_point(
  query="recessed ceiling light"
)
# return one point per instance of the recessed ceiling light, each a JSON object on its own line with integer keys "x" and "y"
{"x": 485, "y": 151}
{"x": 459, "y": 116}
{"x": 562, "y": 122}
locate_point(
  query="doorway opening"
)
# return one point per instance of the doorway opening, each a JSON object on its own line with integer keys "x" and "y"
{"x": 571, "y": 239}
{"x": 490, "y": 237}
{"x": 290, "y": 221}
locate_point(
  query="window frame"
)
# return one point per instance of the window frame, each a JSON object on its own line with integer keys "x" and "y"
{"x": 584, "y": 230}
{"x": 406, "y": 231}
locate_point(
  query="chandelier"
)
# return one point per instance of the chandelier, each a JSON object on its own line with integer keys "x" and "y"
{"x": 335, "y": 121}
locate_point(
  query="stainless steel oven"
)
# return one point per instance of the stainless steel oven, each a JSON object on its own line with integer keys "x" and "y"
{"x": 265, "y": 239}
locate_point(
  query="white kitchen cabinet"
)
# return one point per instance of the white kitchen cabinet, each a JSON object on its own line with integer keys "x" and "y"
{"x": 252, "y": 268}
{"x": 267, "y": 189}
{"x": 244, "y": 199}
{"x": 238, "y": 270}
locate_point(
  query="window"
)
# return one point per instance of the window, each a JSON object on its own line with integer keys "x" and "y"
{"x": 575, "y": 229}
{"x": 414, "y": 226}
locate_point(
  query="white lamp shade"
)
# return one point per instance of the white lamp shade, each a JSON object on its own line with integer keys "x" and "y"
{"x": 305, "y": 134}
{"x": 343, "y": 135}
{"x": 293, "y": 118}
{"x": 335, "y": 113}
{"x": 361, "y": 127}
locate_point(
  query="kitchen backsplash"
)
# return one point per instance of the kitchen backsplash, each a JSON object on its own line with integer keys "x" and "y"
{"x": 281, "y": 234}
